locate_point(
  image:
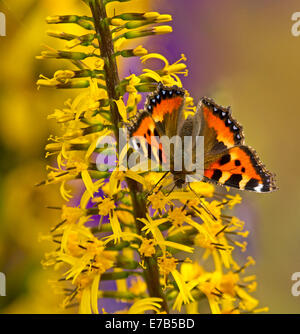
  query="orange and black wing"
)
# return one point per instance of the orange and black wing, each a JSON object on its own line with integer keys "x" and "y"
{"x": 239, "y": 167}
{"x": 161, "y": 117}
{"x": 166, "y": 106}
{"x": 144, "y": 137}
{"x": 227, "y": 160}
{"x": 218, "y": 127}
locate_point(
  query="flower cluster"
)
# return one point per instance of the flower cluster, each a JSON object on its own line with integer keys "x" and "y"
{"x": 163, "y": 251}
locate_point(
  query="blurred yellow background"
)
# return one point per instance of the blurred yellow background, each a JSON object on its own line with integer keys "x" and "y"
{"x": 241, "y": 53}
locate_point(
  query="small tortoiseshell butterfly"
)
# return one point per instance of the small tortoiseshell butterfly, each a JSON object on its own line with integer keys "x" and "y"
{"x": 227, "y": 161}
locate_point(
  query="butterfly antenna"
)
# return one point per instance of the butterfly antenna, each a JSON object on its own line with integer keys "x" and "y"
{"x": 157, "y": 183}
{"x": 202, "y": 204}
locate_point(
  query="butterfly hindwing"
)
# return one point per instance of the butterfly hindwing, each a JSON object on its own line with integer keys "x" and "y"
{"x": 239, "y": 167}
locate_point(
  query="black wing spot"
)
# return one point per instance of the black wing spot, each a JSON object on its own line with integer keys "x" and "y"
{"x": 251, "y": 184}
{"x": 234, "y": 180}
{"x": 225, "y": 159}
{"x": 216, "y": 175}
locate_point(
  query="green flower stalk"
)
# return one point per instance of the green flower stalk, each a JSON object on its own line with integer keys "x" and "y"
{"x": 144, "y": 237}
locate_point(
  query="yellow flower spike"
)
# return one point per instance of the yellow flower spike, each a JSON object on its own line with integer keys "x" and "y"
{"x": 138, "y": 242}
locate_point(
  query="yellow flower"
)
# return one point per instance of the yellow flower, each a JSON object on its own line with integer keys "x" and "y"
{"x": 158, "y": 200}
{"x": 105, "y": 206}
{"x": 138, "y": 286}
{"x": 147, "y": 247}
{"x": 177, "y": 217}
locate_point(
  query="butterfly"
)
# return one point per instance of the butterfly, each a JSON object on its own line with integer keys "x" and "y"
{"x": 227, "y": 160}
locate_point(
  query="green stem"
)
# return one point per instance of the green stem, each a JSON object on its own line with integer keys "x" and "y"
{"x": 151, "y": 273}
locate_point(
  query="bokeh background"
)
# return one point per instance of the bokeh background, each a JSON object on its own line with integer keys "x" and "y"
{"x": 241, "y": 53}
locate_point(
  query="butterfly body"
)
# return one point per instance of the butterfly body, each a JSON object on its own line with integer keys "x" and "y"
{"x": 227, "y": 160}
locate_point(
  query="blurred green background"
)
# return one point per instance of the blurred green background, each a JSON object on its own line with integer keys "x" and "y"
{"x": 241, "y": 53}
